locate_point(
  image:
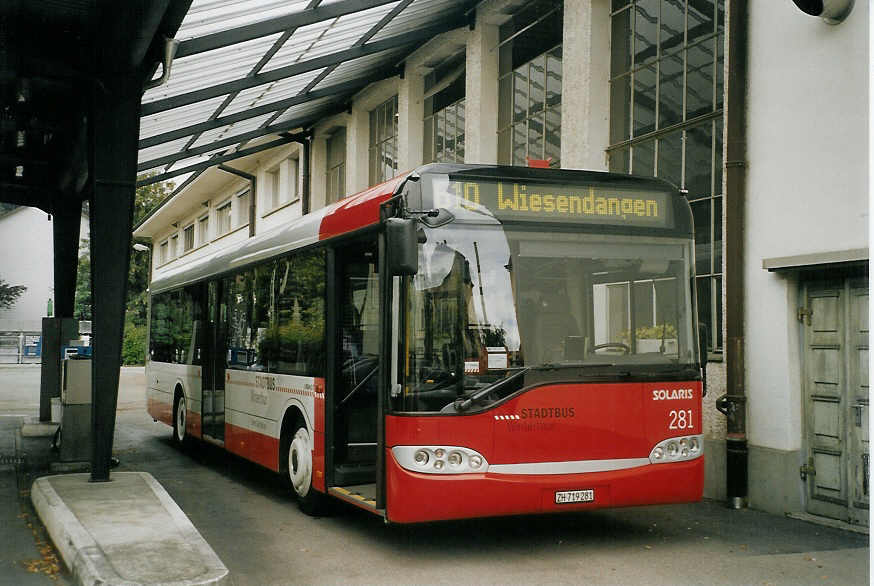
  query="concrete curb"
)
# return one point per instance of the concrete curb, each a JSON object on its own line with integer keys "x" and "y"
{"x": 93, "y": 563}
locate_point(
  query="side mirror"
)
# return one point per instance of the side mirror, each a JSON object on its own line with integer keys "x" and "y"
{"x": 703, "y": 342}
{"x": 401, "y": 242}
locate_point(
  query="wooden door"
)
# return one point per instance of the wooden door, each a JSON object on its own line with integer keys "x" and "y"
{"x": 835, "y": 319}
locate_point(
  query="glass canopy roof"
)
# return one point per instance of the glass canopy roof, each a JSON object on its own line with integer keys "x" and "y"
{"x": 250, "y": 68}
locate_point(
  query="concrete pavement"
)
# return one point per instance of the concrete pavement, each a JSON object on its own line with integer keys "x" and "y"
{"x": 252, "y": 524}
{"x": 125, "y": 531}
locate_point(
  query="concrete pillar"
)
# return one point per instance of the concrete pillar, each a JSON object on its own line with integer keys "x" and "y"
{"x": 585, "y": 94}
{"x": 411, "y": 113}
{"x": 56, "y": 332}
{"x": 481, "y": 94}
{"x": 357, "y": 155}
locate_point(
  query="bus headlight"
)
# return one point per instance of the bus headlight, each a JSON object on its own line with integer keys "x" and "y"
{"x": 677, "y": 449}
{"x": 440, "y": 459}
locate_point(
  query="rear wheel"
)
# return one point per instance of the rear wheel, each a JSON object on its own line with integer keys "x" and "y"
{"x": 180, "y": 417}
{"x": 300, "y": 472}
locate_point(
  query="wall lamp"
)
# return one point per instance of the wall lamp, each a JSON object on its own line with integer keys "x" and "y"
{"x": 831, "y": 11}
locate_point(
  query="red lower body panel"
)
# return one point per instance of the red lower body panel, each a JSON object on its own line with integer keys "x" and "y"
{"x": 414, "y": 497}
{"x": 257, "y": 447}
{"x": 160, "y": 411}
{"x": 193, "y": 424}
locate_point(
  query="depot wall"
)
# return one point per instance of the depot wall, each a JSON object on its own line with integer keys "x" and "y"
{"x": 807, "y": 193}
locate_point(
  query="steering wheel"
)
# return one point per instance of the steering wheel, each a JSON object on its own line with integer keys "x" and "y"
{"x": 619, "y": 345}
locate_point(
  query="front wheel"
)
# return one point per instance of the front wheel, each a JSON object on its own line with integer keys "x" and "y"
{"x": 300, "y": 472}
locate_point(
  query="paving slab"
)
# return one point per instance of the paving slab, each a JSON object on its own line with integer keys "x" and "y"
{"x": 125, "y": 531}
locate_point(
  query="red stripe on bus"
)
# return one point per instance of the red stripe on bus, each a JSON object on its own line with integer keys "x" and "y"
{"x": 160, "y": 410}
{"x": 193, "y": 424}
{"x": 318, "y": 434}
{"x": 357, "y": 211}
{"x": 257, "y": 447}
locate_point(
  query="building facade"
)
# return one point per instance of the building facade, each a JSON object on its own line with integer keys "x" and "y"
{"x": 26, "y": 235}
{"x": 637, "y": 86}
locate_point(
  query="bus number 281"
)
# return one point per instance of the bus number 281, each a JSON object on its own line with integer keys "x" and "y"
{"x": 680, "y": 419}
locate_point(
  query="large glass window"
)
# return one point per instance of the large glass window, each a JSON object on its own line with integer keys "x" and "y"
{"x": 529, "y": 104}
{"x": 666, "y": 93}
{"x": 176, "y": 328}
{"x": 444, "y": 113}
{"x": 384, "y": 141}
{"x": 296, "y": 344}
{"x": 490, "y": 302}
{"x": 276, "y": 316}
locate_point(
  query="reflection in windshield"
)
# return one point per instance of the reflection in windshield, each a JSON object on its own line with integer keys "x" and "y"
{"x": 489, "y": 300}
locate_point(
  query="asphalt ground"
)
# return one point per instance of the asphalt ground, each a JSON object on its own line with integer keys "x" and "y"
{"x": 248, "y": 517}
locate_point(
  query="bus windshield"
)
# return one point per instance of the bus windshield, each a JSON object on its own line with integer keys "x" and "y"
{"x": 492, "y": 301}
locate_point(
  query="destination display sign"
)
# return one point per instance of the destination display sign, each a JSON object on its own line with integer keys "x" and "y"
{"x": 521, "y": 200}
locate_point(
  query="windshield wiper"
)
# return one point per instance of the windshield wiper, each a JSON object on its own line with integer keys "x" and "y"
{"x": 560, "y": 366}
{"x": 464, "y": 404}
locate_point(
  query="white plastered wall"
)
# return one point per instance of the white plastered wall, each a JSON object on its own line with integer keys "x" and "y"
{"x": 807, "y": 153}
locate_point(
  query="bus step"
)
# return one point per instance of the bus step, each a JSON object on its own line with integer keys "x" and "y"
{"x": 352, "y": 473}
{"x": 361, "y": 452}
{"x": 362, "y": 496}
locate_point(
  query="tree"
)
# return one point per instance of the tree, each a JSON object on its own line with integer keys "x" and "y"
{"x": 146, "y": 199}
{"x": 82, "y": 303}
{"x": 9, "y": 294}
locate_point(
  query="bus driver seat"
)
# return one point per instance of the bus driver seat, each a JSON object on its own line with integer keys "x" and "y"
{"x": 554, "y": 325}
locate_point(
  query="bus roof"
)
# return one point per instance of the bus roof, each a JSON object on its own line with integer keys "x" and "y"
{"x": 351, "y": 213}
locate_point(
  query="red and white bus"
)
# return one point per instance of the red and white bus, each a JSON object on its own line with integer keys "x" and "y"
{"x": 461, "y": 341}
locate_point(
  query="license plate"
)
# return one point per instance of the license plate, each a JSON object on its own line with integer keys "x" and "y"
{"x": 574, "y": 496}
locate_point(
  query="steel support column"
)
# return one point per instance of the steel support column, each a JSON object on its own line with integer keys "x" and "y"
{"x": 733, "y": 404}
{"x": 114, "y": 134}
{"x": 66, "y": 218}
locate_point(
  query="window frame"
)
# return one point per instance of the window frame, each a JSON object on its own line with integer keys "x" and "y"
{"x": 189, "y": 229}
{"x": 653, "y": 142}
{"x": 383, "y": 140}
{"x": 219, "y": 211}
{"x": 202, "y": 238}
{"x": 527, "y": 28}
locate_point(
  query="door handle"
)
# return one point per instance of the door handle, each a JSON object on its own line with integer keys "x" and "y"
{"x": 858, "y": 410}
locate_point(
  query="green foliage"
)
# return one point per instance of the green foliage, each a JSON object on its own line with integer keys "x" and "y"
{"x": 656, "y": 332}
{"x": 82, "y": 302}
{"x": 9, "y": 294}
{"x": 133, "y": 346}
{"x": 146, "y": 199}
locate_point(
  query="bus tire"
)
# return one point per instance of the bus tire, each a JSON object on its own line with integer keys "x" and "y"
{"x": 299, "y": 465}
{"x": 180, "y": 419}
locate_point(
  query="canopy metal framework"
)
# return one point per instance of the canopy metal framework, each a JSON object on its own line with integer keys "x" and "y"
{"x": 82, "y": 115}
{"x": 276, "y": 75}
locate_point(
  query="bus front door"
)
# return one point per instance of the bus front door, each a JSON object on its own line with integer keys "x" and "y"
{"x": 355, "y": 396}
{"x": 213, "y": 405}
